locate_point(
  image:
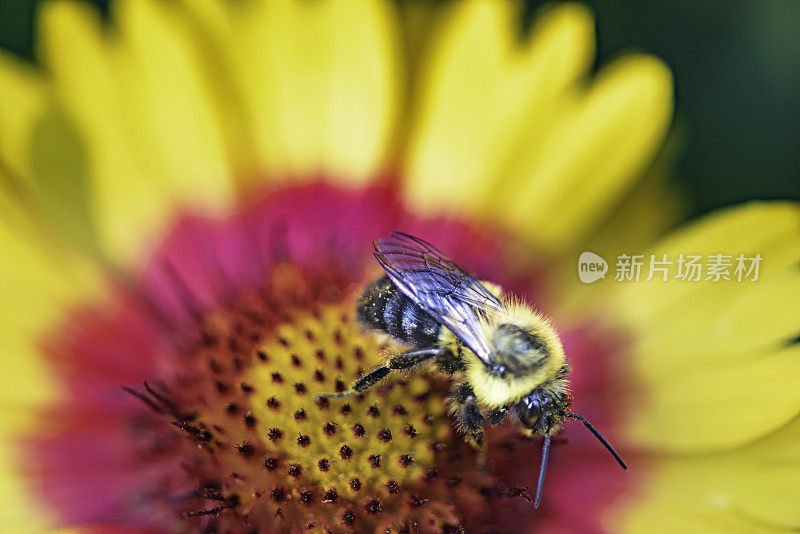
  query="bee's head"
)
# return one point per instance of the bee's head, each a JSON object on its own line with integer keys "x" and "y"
{"x": 517, "y": 350}
{"x": 542, "y": 410}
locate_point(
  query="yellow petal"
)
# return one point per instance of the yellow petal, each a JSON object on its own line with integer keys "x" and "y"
{"x": 676, "y": 499}
{"x": 22, "y": 103}
{"x": 321, "y": 83}
{"x": 753, "y": 489}
{"x": 60, "y": 178}
{"x": 277, "y": 72}
{"x": 600, "y": 141}
{"x": 418, "y": 19}
{"x": 762, "y": 480}
{"x": 708, "y": 408}
{"x": 654, "y": 206}
{"x": 41, "y": 151}
{"x": 38, "y": 281}
{"x": 710, "y": 359}
{"x": 363, "y": 88}
{"x": 483, "y": 93}
{"x": 124, "y": 204}
{"x": 695, "y": 322}
{"x": 165, "y": 79}
{"x": 214, "y": 34}
{"x": 144, "y": 116}
{"x": 86, "y": 138}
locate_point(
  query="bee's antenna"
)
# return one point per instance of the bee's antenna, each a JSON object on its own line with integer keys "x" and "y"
{"x": 542, "y": 469}
{"x": 594, "y": 431}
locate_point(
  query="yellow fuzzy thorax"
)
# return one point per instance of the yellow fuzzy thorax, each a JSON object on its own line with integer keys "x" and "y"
{"x": 494, "y": 391}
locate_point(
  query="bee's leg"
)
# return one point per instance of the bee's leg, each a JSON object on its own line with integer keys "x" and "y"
{"x": 470, "y": 419}
{"x": 400, "y": 362}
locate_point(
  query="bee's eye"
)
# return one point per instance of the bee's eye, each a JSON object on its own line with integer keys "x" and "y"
{"x": 528, "y": 410}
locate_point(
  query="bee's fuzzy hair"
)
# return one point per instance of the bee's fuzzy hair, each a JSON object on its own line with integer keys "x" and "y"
{"x": 518, "y": 312}
{"x": 495, "y": 391}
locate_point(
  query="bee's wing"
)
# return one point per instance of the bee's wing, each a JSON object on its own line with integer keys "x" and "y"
{"x": 440, "y": 287}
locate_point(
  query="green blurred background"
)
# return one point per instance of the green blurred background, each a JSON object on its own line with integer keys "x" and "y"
{"x": 737, "y": 71}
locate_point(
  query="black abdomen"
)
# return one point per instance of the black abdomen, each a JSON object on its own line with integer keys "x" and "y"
{"x": 385, "y": 308}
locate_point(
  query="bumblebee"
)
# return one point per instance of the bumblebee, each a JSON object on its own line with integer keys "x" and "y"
{"x": 506, "y": 360}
